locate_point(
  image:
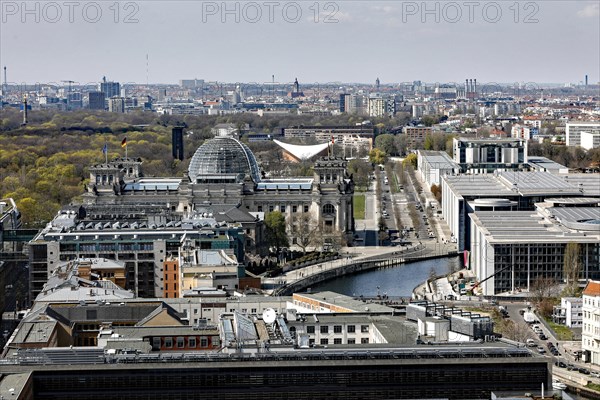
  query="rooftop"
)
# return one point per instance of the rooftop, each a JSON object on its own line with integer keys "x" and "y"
{"x": 592, "y": 289}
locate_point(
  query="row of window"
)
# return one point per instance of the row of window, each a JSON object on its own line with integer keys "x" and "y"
{"x": 282, "y": 208}
{"x": 179, "y": 342}
{"x": 337, "y": 329}
{"x": 339, "y": 341}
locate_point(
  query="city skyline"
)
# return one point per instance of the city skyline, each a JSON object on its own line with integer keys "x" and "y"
{"x": 159, "y": 42}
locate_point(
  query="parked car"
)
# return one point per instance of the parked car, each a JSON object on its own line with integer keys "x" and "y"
{"x": 541, "y": 350}
{"x": 595, "y": 374}
{"x": 560, "y": 364}
{"x": 584, "y": 371}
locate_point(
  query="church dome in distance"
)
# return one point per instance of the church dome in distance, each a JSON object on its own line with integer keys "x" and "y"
{"x": 223, "y": 159}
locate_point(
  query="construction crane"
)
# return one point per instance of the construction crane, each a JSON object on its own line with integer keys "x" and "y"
{"x": 68, "y": 93}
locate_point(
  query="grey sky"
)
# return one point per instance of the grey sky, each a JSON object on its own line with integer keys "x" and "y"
{"x": 187, "y": 39}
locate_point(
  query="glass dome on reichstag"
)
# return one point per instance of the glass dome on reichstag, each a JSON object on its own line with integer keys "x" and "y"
{"x": 223, "y": 159}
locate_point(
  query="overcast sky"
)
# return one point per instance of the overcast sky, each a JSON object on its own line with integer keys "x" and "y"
{"x": 347, "y": 41}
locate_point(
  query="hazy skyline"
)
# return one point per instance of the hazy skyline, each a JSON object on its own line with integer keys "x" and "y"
{"x": 385, "y": 39}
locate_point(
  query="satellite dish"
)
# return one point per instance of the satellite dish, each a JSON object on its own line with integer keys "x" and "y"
{"x": 269, "y": 315}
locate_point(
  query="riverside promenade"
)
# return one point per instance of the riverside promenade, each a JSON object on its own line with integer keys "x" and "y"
{"x": 354, "y": 260}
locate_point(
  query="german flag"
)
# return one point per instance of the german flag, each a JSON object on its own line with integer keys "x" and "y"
{"x": 124, "y": 142}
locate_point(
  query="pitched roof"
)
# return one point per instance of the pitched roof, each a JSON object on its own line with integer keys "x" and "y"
{"x": 592, "y": 288}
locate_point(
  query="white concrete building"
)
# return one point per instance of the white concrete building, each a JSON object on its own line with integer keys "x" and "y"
{"x": 590, "y": 140}
{"x": 433, "y": 165}
{"x": 590, "y": 334}
{"x": 573, "y": 131}
{"x": 569, "y": 312}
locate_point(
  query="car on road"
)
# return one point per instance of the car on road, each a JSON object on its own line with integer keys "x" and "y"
{"x": 560, "y": 364}
{"x": 531, "y": 343}
{"x": 595, "y": 374}
{"x": 584, "y": 371}
{"x": 541, "y": 350}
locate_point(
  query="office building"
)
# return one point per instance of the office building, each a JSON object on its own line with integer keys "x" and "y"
{"x": 573, "y": 131}
{"x": 509, "y": 190}
{"x": 191, "y": 83}
{"x": 514, "y": 248}
{"x": 177, "y": 142}
{"x": 433, "y": 165}
{"x": 416, "y": 134}
{"x": 489, "y": 155}
{"x": 116, "y": 104}
{"x": 590, "y": 139}
{"x": 110, "y": 89}
{"x": 97, "y": 101}
{"x": 590, "y": 333}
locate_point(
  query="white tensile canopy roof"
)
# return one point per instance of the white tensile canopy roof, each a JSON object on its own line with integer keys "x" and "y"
{"x": 302, "y": 152}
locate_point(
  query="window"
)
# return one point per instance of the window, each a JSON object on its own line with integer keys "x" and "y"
{"x": 155, "y": 343}
{"x": 337, "y": 341}
{"x": 169, "y": 343}
{"x": 180, "y": 342}
{"x": 337, "y": 329}
{"x": 364, "y": 340}
{"x": 311, "y": 341}
{"x": 259, "y": 208}
{"x": 192, "y": 342}
{"x": 282, "y": 208}
{"x": 294, "y": 209}
{"x": 271, "y": 208}
{"x": 325, "y": 341}
{"x": 305, "y": 209}
{"x": 351, "y": 341}
{"x": 324, "y": 329}
{"x": 203, "y": 342}
{"x": 310, "y": 329}
{"x": 351, "y": 329}
{"x": 364, "y": 328}
{"x": 253, "y": 310}
{"x": 328, "y": 209}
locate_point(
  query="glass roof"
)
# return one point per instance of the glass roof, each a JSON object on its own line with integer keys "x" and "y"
{"x": 222, "y": 158}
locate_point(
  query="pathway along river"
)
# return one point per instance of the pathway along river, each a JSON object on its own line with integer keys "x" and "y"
{"x": 396, "y": 281}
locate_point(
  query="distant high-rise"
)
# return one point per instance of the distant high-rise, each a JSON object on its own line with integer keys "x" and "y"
{"x": 177, "y": 141}
{"x": 586, "y": 79}
{"x": 116, "y": 104}
{"x": 25, "y": 120}
{"x": 344, "y": 100}
{"x": 191, "y": 83}
{"x": 110, "y": 89}
{"x": 97, "y": 101}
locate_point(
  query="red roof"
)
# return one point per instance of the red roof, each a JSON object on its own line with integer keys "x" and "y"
{"x": 592, "y": 288}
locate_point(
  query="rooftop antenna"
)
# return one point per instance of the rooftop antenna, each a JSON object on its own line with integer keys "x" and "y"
{"x": 147, "y": 68}
{"x": 24, "y": 110}
{"x": 5, "y": 88}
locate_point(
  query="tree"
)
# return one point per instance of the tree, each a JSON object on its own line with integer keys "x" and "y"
{"x": 305, "y": 230}
{"x": 410, "y": 160}
{"x": 543, "y": 288}
{"x": 386, "y": 143}
{"x": 437, "y": 192}
{"x": 572, "y": 266}
{"x": 377, "y": 156}
{"x": 275, "y": 230}
{"x": 360, "y": 169}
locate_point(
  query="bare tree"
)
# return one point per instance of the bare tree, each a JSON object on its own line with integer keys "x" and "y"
{"x": 305, "y": 230}
{"x": 518, "y": 331}
{"x": 543, "y": 288}
{"x": 572, "y": 267}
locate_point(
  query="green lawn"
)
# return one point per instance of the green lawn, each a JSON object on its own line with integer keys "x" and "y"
{"x": 358, "y": 204}
{"x": 562, "y": 332}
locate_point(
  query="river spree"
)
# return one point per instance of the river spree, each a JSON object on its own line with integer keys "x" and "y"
{"x": 397, "y": 281}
